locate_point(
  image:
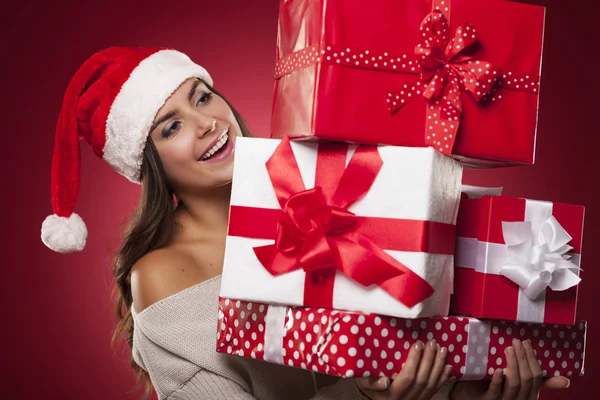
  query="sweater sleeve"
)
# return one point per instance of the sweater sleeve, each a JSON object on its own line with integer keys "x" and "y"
{"x": 207, "y": 385}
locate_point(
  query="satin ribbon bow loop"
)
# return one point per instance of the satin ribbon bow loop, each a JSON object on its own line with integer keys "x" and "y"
{"x": 308, "y": 222}
{"x": 537, "y": 260}
{"x": 436, "y": 36}
{"x": 307, "y": 211}
{"x": 465, "y": 37}
{"x": 555, "y": 236}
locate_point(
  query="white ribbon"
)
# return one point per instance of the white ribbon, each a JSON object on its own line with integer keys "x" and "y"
{"x": 274, "y": 332}
{"x": 537, "y": 258}
{"x": 478, "y": 342}
{"x": 476, "y": 192}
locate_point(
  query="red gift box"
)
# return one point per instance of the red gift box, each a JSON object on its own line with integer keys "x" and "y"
{"x": 351, "y": 344}
{"x": 347, "y": 72}
{"x": 499, "y": 277}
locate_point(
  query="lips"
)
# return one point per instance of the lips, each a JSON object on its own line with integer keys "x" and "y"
{"x": 213, "y": 143}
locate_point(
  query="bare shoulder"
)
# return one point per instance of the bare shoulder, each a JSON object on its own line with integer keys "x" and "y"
{"x": 162, "y": 273}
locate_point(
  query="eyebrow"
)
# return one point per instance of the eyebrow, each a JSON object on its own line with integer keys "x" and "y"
{"x": 171, "y": 114}
{"x": 193, "y": 89}
{"x": 165, "y": 117}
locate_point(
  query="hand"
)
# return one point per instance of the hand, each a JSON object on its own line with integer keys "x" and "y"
{"x": 523, "y": 379}
{"x": 423, "y": 373}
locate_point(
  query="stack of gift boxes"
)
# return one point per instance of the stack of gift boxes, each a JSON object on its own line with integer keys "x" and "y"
{"x": 351, "y": 235}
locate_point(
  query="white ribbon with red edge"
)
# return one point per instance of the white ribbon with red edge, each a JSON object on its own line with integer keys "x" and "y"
{"x": 534, "y": 255}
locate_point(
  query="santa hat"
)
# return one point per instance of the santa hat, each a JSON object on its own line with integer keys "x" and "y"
{"x": 110, "y": 102}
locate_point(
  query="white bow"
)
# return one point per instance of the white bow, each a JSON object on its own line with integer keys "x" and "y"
{"x": 537, "y": 260}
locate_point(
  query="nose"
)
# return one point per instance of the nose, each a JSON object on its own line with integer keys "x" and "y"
{"x": 205, "y": 124}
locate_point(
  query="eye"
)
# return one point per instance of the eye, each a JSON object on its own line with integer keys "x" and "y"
{"x": 170, "y": 129}
{"x": 203, "y": 97}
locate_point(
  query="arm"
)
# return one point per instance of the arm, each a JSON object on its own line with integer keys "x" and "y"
{"x": 207, "y": 385}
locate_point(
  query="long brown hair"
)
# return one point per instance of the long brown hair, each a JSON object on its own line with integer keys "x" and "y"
{"x": 149, "y": 228}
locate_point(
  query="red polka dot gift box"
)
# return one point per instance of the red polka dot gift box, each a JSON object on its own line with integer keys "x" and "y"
{"x": 461, "y": 76}
{"x": 517, "y": 259}
{"x": 350, "y": 344}
{"x": 332, "y": 225}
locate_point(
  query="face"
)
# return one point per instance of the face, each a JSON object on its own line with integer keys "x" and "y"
{"x": 194, "y": 133}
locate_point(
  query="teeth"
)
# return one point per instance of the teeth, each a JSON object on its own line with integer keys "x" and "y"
{"x": 215, "y": 148}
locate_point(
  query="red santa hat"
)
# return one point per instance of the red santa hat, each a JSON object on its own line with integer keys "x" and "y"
{"x": 110, "y": 102}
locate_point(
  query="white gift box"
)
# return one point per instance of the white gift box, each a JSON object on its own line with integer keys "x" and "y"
{"x": 413, "y": 184}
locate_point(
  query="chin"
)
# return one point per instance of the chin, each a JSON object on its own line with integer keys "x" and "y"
{"x": 219, "y": 182}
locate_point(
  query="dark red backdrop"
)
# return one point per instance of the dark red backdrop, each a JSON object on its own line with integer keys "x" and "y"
{"x": 57, "y": 319}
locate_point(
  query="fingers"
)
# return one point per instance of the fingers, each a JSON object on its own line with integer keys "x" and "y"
{"x": 425, "y": 369}
{"x": 495, "y": 389}
{"x": 446, "y": 375}
{"x": 536, "y": 370}
{"x": 373, "y": 383}
{"x": 525, "y": 375}
{"x": 511, "y": 387}
{"x": 374, "y": 387}
{"x": 438, "y": 374}
{"x": 556, "y": 382}
{"x": 401, "y": 386}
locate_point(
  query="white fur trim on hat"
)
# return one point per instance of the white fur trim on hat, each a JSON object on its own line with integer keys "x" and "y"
{"x": 131, "y": 115}
{"x": 64, "y": 235}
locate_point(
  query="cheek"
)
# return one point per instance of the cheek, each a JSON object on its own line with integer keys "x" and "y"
{"x": 224, "y": 113}
{"x": 176, "y": 153}
{"x": 235, "y": 123}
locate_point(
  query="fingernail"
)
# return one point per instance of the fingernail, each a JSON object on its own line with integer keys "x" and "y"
{"x": 568, "y": 383}
{"x": 443, "y": 352}
{"x": 418, "y": 346}
{"x": 510, "y": 350}
{"x": 432, "y": 345}
{"x": 526, "y": 345}
{"x": 515, "y": 340}
{"x": 383, "y": 383}
{"x": 498, "y": 372}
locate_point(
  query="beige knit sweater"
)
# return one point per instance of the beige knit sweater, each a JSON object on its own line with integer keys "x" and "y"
{"x": 174, "y": 340}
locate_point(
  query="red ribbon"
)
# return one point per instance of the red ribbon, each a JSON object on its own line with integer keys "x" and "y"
{"x": 317, "y": 233}
{"x": 447, "y": 70}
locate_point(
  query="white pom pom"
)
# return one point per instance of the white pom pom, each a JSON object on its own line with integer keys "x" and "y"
{"x": 64, "y": 235}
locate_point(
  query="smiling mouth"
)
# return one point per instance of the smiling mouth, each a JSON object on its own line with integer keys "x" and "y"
{"x": 217, "y": 147}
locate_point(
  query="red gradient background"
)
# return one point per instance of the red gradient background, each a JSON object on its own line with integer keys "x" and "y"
{"x": 57, "y": 320}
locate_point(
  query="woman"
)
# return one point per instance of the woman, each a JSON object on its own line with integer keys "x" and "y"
{"x": 155, "y": 118}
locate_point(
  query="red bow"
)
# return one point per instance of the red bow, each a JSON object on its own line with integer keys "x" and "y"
{"x": 320, "y": 235}
{"x": 309, "y": 231}
{"x": 446, "y": 71}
